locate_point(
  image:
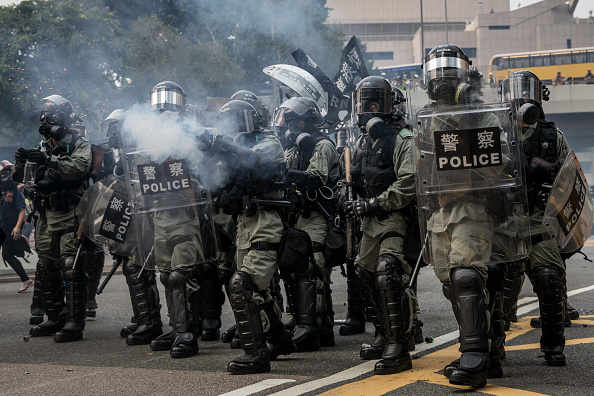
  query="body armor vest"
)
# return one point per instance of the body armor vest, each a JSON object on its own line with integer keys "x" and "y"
{"x": 541, "y": 144}
{"x": 373, "y": 166}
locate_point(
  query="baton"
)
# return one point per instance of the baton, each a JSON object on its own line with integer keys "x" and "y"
{"x": 415, "y": 273}
{"x": 108, "y": 277}
{"x": 145, "y": 262}
{"x": 269, "y": 202}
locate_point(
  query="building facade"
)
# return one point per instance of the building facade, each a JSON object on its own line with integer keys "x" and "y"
{"x": 394, "y": 35}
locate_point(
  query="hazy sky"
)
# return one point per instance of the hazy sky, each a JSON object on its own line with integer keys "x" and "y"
{"x": 581, "y": 11}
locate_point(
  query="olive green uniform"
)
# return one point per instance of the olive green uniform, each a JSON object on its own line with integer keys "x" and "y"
{"x": 398, "y": 196}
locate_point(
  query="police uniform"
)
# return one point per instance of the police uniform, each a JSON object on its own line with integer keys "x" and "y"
{"x": 383, "y": 171}
{"x": 314, "y": 303}
{"x": 57, "y": 193}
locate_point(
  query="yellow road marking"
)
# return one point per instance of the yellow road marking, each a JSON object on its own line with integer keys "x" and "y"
{"x": 427, "y": 368}
{"x": 577, "y": 341}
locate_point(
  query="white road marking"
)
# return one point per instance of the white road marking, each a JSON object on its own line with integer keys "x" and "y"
{"x": 367, "y": 367}
{"x": 258, "y": 387}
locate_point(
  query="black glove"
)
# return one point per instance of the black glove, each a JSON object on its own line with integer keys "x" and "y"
{"x": 36, "y": 156}
{"x": 364, "y": 208}
{"x": 204, "y": 141}
{"x": 20, "y": 156}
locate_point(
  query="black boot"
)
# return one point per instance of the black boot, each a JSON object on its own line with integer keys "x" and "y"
{"x": 228, "y": 334}
{"x": 145, "y": 300}
{"x": 278, "y": 338}
{"x": 129, "y": 328}
{"x": 187, "y": 321}
{"x": 249, "y": 322}
{"x": 37, "y": 308}
{"x": 495, "y": 284}
{"x": 94, "y": 266}
{"x": 211, "y": 301}
{"x": 76, "y": 301}
{"x": 326, "y": 333}
{"x": 551, "y": 299}
{"x": 165, "y": 342}
{"x": 512, "y": 286}
{"x": 467, "y": 295}
{"x": 52, "y": 291}
{"x": 394, "y": 305}
{"x": 306, "y": 332}
{"x": 572, "y": 313}
{"x": 374, "y": 350}
{"x": 355, "y": 320}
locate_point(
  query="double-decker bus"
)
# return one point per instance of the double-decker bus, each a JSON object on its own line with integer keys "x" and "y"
{"x": 571, "y": 63}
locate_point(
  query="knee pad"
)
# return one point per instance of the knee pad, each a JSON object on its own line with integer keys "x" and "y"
{"x": 388, "y": 272}
{"x": 548, "y": 284}
{"x": 466, "y": 281}
{"x": 177, "y": 279}
{"x": 241, "y": 283}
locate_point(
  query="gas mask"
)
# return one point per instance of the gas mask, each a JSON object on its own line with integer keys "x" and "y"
{"x": 449, "y": 90}
{"x": 526, "y": 113}
{"x": 49, "y": 126}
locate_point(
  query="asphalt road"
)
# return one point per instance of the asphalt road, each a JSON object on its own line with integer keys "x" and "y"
{"x": 103, "y": 364}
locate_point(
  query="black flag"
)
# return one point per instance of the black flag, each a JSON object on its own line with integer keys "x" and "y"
{"x": 352, "y": 68}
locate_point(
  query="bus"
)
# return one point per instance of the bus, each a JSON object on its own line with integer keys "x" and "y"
{"x": 396, "y": 74}
{"x": 573, "y": 64}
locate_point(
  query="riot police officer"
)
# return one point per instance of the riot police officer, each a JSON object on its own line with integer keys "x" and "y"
{"x": 383, "y": 170}
{"x": 546, "y": 149}
{"x": 460, "y": 203}
{"x": 254, "y": 100}
{"x": 255, "y": 166}
{"x": 313, "y": 166}
{"x": 184, "y": 247}
{"x": 63, "y": 163}
{"x": 142, "y": 283}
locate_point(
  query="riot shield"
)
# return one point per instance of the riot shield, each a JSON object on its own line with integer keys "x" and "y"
{"x": 167, "y": 190}
{"x": 568, "y": 214}
{"x": 106, "y": 217}
{"x": 298, "y": 82}
{"x": 471, "y": 189}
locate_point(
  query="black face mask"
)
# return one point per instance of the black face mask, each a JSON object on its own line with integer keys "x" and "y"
{"x": 6, "y": 182}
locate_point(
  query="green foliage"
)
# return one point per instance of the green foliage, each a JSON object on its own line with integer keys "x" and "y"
{"x": 104, "y": 55}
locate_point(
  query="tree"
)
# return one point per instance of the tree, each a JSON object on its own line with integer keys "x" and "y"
{"x": 109, "y": 54}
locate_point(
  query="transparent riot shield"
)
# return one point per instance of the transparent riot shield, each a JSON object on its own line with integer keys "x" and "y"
{"x": 568, "y": 214}
{"x": 106, "y": 218}
{"x": 167, "y": 190}
{"x": 471, "y": 190}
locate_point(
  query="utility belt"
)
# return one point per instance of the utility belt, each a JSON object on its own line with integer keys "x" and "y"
{"x": 61, "y": 202}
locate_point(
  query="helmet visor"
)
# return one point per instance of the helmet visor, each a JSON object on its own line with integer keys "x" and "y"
{"x": 447, "y": 67}
{"x": 373, "y": 100}
{"x": 524, "y": 87}
{"x": 166, "y": 100}
{"x": 233, "y": 121}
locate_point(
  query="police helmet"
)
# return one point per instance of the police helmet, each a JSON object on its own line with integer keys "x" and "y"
{"x": 374, "y": 94}
{"x": 167, "y": 95}
{"x": 446, "y": 71}
{"x": 238, "y": 116}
